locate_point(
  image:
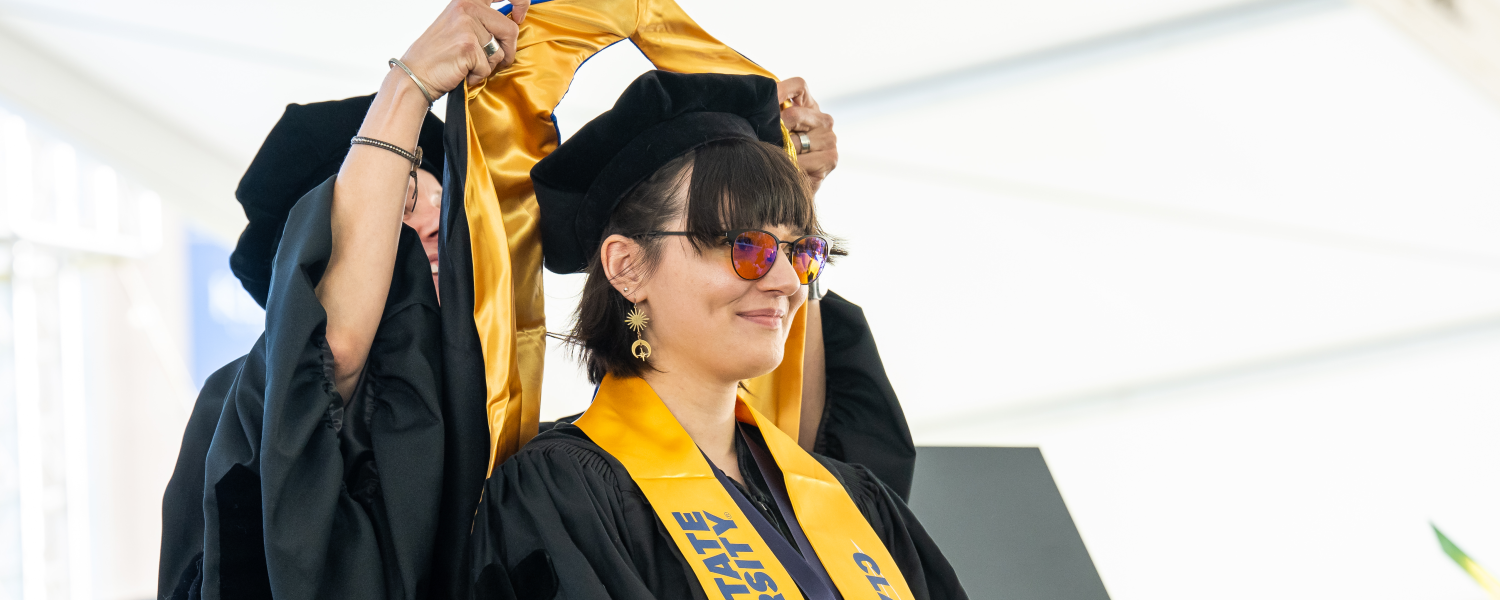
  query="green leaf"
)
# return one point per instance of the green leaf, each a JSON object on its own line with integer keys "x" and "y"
{"x": 1486, "y": 581}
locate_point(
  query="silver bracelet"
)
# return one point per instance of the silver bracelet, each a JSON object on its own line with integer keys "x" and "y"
{"x": 396, "y": 62}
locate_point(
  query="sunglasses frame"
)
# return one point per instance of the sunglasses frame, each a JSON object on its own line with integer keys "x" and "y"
{"x": 729, "y": 239}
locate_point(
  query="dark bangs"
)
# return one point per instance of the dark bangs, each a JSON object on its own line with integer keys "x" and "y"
{"x": 741, "y": 184}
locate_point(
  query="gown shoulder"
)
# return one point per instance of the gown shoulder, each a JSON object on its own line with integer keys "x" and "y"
{"x": 563, "y": 505}
{"x": 862, "y": 421}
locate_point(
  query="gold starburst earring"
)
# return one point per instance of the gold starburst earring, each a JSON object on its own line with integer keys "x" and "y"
{"x": 637, "y": 321}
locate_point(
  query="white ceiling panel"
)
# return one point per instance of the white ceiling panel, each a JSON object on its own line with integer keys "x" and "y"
{"x": 848, "y": 47}
{"x": 1332, "y": 126}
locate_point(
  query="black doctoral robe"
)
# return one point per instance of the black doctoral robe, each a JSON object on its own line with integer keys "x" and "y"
{"x": 284, "y": 490}
{"x": 563, "y": 519}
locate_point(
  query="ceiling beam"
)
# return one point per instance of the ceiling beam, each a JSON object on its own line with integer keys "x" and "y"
{"x": 192, "y": 177}
{"x": 1463, "y": 33}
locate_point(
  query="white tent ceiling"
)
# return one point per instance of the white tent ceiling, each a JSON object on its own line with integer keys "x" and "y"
{"x": 1279, "y": 215}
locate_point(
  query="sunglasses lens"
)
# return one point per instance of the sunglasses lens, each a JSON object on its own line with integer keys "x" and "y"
{"x": 809, "y": 255}
{"x": 753, "y": 254}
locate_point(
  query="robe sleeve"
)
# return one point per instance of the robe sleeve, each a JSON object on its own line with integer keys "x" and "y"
{"x": 303, "y": 495}
{"x": 182, "y": 503}
{"x": 554, "y": 523}
{"x": 862, "y": 419}
{"x": 927, "y": 571}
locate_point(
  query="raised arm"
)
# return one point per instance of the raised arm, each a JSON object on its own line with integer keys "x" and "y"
{"x": 371, "y": 192}
{"x": 804, "y": 118}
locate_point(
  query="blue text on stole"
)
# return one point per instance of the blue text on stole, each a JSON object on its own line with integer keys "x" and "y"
{"x": 751, "y": 574}
{"x": 872, "y": 573}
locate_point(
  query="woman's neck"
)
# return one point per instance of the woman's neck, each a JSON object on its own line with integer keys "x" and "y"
{"x": 705, "y": 409}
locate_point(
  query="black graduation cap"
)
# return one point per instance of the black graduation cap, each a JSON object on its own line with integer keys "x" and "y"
{"x": 661, "y": 116}
{"x": 303, "y": 150}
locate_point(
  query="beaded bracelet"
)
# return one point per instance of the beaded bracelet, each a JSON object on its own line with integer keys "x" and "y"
{"x": 415, "y": 159}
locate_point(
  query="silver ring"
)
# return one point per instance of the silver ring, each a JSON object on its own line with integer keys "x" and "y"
{"x": 491, "y": 48}
{"x": 806, "y": 143}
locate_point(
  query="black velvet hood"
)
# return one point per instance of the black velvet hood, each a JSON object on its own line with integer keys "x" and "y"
{"x": 659, "y": 117}
{"x": 304, "y": 149}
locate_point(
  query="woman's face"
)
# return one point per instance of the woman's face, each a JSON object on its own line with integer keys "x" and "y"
{"x": 706, "y": 319}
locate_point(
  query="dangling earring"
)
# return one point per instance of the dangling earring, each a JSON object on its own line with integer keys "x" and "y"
{"x": 637, "y": 321}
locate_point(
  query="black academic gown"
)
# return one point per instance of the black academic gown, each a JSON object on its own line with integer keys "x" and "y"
{"x": 862, "y": 420}
{"x": 297, "y": 493}
{"x": 563, "y": 519}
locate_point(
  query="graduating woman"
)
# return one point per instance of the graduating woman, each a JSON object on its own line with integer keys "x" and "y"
{"x": 700, "y": 241}
{"x": 337, "y": 459}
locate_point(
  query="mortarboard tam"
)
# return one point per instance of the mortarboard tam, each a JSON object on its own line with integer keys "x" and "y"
{"x": 304, "y": 148}
{"x": 661, "y": 116}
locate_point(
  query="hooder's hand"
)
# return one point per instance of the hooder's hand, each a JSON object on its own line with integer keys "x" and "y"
{"x": 804, "y": 117}
{"x": 451, "y": 51}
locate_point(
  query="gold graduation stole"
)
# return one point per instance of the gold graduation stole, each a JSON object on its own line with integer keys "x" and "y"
{"x": 731, "y": 560}
{"x": 510, "y": 128}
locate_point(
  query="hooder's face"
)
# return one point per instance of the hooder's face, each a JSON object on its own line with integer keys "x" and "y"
{"x": 707, "y": 319}
{"x": 426, "y": 215}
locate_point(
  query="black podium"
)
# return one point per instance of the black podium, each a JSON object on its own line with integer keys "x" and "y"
{"x": 1000, "y": 520}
